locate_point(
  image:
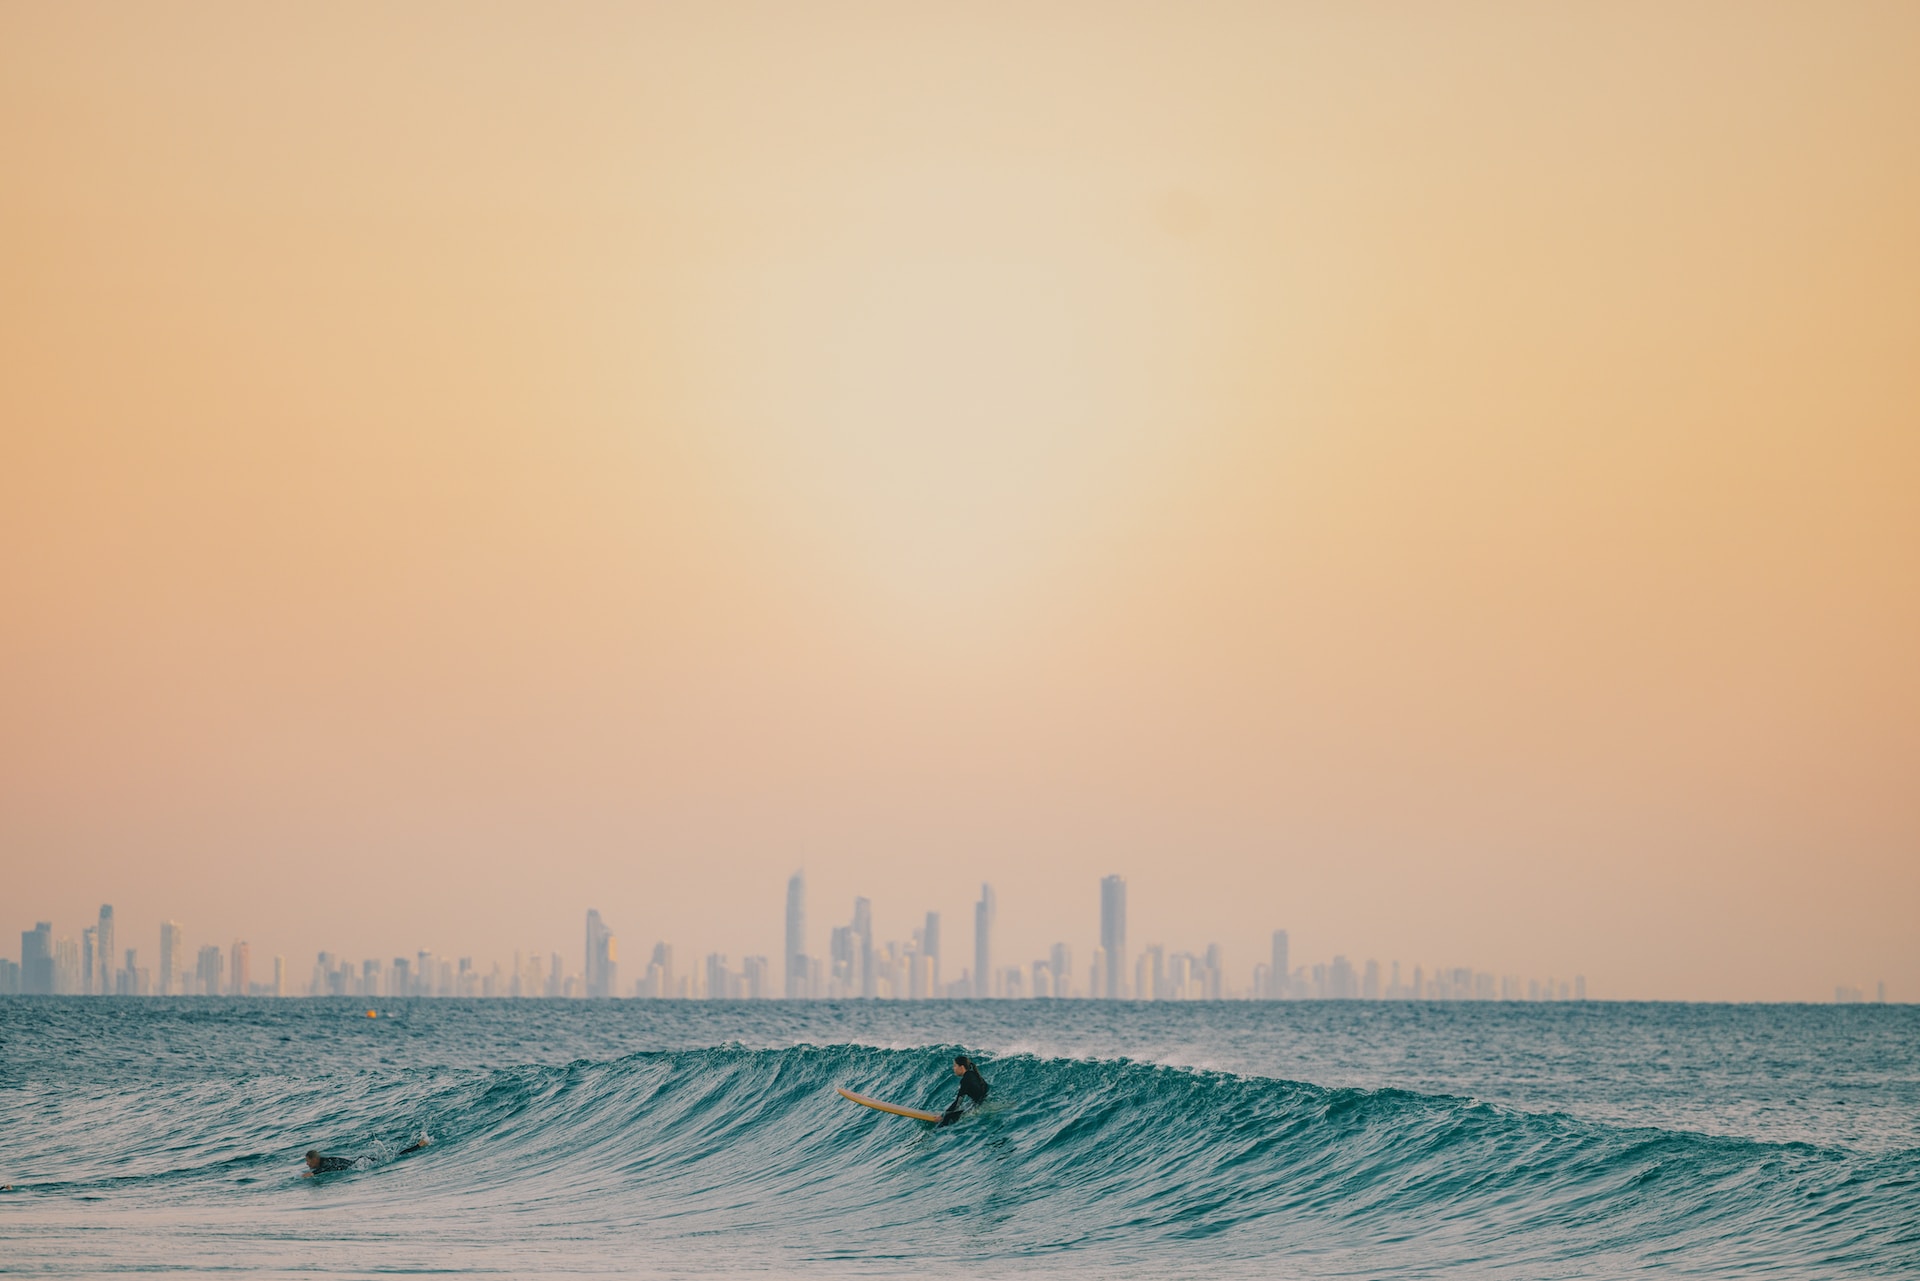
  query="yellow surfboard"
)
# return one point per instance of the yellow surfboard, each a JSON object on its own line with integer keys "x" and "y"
{"x": 894, "y": 1108}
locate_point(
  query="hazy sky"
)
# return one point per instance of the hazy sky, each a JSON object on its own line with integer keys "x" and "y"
{"x": 1444, "y": 479}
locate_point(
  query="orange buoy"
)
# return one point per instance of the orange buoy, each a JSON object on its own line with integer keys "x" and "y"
{"x": 373, "y": 1014}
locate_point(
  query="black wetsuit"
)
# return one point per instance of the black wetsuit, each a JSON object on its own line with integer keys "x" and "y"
{"x": 973, "y": 1087}
{"x": 333, "y": 1165}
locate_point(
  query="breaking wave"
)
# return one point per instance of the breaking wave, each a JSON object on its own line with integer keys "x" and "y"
{"x": 730, "y": 1159}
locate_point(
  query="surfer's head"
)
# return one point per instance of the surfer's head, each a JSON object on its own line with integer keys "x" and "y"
{"x": 313, "y": 1159}
{"x": 962, "y": 1065}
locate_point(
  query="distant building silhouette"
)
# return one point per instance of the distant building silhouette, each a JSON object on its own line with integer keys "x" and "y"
{"x": 754, "y": 972}
{"x": 1113, "y": 936}
{"x": 169, "y": 957}
{"x": 930, "y": 948}
{"x": 796, "y": 954}
{"x": 842, "y": 982}
{"x": 863, "y": 947}
{"x": 207, "y": 974}
{"x": 863, "y": 966}
{"x": 1150, "y": 974}
{"x": 659, "y": 980}
{"x": 36, "y": 960}
{"x": 104, "y": 952}
{"x": 983, "y": 917}
{"x": 601, "y": 970}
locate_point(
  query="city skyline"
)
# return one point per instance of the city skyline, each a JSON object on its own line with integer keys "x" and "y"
{"x": 857, "y": 965}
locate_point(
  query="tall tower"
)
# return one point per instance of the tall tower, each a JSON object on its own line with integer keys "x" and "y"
{"x": 599, "y": 970}
{"x": 169, "y": 955}
{"x": 1113, "y": 935}
{"x": 239, "y": 969}
{"x": 36, "y": 960}
{"x": 796, "y": 936}
{"x": 841, "y": 958}
{"x": 1277, "y": 975}
{"x": 863, "y": 947}
{"x": 103, "y": 938}
{"x": 930, "y": 948}
{"x": 983, "y": 915}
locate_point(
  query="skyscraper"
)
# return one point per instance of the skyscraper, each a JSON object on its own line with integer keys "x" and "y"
{"x": 1061, "y": 962}
{"x": 930, "y": 948}
{"x": 1150, "y": 974}
{"x": 796, "y": 936}
{"x": 240, "y": 969}
{"x": 36, "y": 960}
{"x": 209, "y": 970}
{"x": 1113, "y": 936}
{"x": 169, "y": 956}
{"x": 89, "y": 962}
{"x": 661, "y": 968}
{"x": 103, "y": 938}
{"x": 601, "y": 964}
{"x": 1343, "y": 984}
{"x": 719, "y": 978}
{"x": 1277, "y": 975}
{"x": 66, "y": 967}
{"x": 984, "y": 913}
{"x": 863, "y": 946}
{"x": 840, "y": 955}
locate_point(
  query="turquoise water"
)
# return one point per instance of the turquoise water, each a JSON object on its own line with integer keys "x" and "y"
{"x": 1335, "y": 1139}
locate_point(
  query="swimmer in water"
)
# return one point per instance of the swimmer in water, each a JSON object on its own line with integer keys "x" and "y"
{"x": 317, "y": 1164}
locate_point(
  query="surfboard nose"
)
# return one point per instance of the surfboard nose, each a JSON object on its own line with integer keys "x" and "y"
{"x": 878, "y": 1105}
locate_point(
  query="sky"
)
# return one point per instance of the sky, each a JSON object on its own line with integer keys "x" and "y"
{"x": 1443, "y": 480}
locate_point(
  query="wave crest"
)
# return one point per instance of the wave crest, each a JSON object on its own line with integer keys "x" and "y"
{"x": 1113, "y": 1157}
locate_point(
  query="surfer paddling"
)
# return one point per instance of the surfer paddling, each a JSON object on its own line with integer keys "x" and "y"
{"x": 318, "y": 1164}
{"x": 973, "y": 1092}
{"x": 973, "y": 1089}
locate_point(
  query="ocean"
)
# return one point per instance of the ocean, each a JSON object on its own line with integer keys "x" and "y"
{"x": 696, "y": 1139}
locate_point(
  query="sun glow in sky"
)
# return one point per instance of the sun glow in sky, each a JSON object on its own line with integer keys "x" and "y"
{"x": 1440, "y": 481}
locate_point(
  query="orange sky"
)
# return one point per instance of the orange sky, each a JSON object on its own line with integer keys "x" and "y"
{"x": 1443, "y": 480}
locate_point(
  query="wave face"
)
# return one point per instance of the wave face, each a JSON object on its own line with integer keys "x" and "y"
{"x": 702, "y": 1160}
